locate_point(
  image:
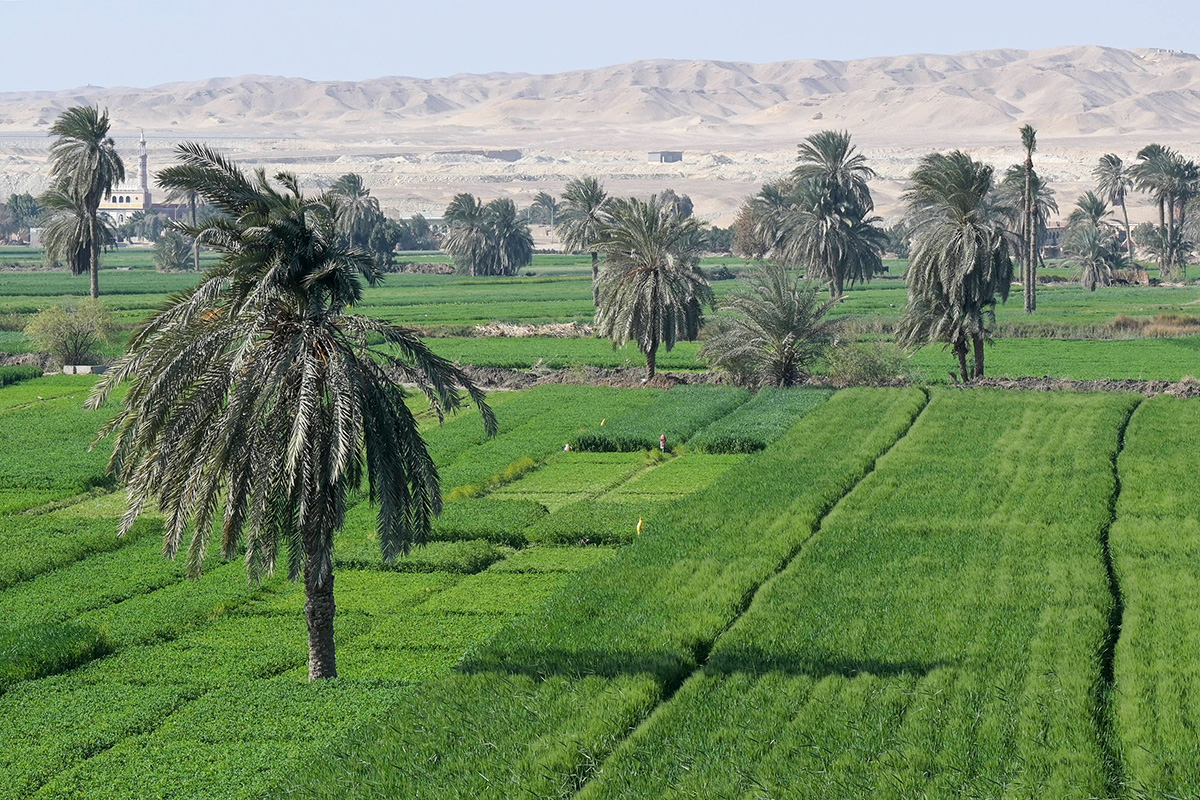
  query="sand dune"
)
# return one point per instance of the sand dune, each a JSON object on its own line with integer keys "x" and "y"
{"x": 737, "y": 121}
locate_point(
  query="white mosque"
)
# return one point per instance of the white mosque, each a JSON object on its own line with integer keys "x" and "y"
{"x": 128, "y": 198}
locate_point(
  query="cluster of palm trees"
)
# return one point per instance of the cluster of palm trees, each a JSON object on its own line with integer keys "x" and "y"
{"x": 819, "y": 218}
{"x": 487, "y": 238}
{"x": 1173, "y": 182}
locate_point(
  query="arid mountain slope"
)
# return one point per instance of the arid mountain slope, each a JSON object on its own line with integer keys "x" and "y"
{"x": 738, "y": 122}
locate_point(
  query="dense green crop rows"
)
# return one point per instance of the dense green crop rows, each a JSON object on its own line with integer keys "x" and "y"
{"x": 1155, "y": 544}
{"x": 939, "y": 638}
{"x": 683, "y": 411}
{"x": 567, "y": 411}
{"x": 642, "y": 619}
{"x": 11, "y": 375}
{"x": 551, "y": 353}
{"x": 757, "y": 423}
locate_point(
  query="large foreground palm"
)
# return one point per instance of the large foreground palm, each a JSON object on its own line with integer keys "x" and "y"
{"x": 256, "y": 402}
{"x": 84, "y": 166}
{"x": 651, "y": 290}
{"x": 960, "y": 262}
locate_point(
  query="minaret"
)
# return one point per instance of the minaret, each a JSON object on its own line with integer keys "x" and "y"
{"x": 143, "y": 171}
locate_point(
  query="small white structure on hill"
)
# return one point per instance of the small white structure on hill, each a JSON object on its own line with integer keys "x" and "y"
{"x": 666, "y": 156}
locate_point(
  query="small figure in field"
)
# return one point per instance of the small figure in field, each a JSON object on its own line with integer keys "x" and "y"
{"x": 567, "y": 447}
{"x": 662, "y": 443}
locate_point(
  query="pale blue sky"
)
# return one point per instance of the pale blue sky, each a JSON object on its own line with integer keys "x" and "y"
{"x": 61, "y": 44}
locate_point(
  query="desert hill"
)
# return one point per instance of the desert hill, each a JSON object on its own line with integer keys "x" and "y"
{"x": 737, "y": 122}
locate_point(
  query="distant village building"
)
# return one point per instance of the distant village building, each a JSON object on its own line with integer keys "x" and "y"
{"x": 124, "y": 200}
{"x": 666, "y": 156}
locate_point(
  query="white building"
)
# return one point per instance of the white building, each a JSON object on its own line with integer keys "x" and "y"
{"x": 124, "y": 200}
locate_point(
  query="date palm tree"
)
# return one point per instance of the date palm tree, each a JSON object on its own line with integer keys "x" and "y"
{"x": 256, "y": 402}
{"x": 1029, "y": 224}
{"x": 70, "y": 234}
{"x": 509, "y": 238}
{"x": 547, "y": 205}
{"x": 1094, "y": 253}
{"x": 776, "y": 330}
{"x": 584, "y": 215}
{"x": 960, "y": 262}
{"x": 193, "y": 203}
{"x": 355, "y": 203}
{"x": 651, "y": 288}
{"x": 829, "y": 160}
{"x": 468, "y": 241}
{"x": 1091, "y": 211}
{"x": 85, "y": 166}
{"x": 818, "y": 220}
{"x": 1113, "y": 181}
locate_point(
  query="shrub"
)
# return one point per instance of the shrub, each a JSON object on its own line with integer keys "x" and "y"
{"x": 866, "y": 364}
{"x": 72, "y": 334}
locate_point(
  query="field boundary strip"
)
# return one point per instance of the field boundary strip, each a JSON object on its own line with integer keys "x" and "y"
{"x": 1106, "y": 687}
{"x": 670, "y": 690}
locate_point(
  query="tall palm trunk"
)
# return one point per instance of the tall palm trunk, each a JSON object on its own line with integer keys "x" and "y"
{"x": 93, "y": 257}
{"x": 651, "y": 359}
{"x": 595, "y": 279}
{"x": 1128, "y": 234}
{"x": 836, "y": 285}
{"x": 195, "y": 241}
{"x": 960, "y": 350}
{"x": 1030, "y": 254}
{"x": 319, "y": 610}
{"x": 977, "y": 345}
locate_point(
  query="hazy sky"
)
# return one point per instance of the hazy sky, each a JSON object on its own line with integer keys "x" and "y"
{"x": 61, "y": 44}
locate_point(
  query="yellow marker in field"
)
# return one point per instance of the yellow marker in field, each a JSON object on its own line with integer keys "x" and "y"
{"x": 639, "y": 528}
{"x": 603, "y": 421}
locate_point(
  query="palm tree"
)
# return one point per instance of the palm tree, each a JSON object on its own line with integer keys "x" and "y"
{"x": 84, "y": 165}
{"x": 1029, "y": 222}
{"x": 355, "y": 203}
{"x": 776, "y": 329}
{"x": 652, "y": 290}
{"x": 548, "y": 206}
{"x": 70, "y": 234}
{"x": 1112, "y": 182}
{"x": 256, "y": 395}
{"x": 1090, "y": 211}
{"x": 960, "y": 260}
{"x": 468, "y": 240}
{"x": 509, "y": 238}
{"x": 1094, "y": 252}
{"x": 583, "y": 217}
{"x": 830, "y": 161}
{"x": 819, "y": 219}
{"x": 193, "y": 201}
{"x": 835, "y": 241}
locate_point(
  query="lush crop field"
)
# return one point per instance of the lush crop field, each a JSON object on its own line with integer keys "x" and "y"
{"x": 1156, "y": 548}
{"x": 896, "y": 595}
{"x": 938, "y": 638}
{"x": 682, "y": 411}
{"x": 530, "y": 714}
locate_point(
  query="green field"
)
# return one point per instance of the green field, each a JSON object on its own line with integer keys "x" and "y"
{"x": 866, "y": 593}
{"x": 1071, "y": 335}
